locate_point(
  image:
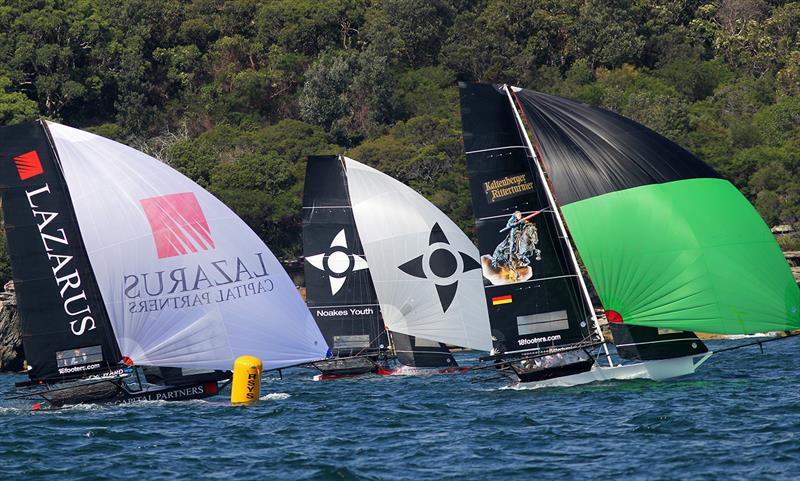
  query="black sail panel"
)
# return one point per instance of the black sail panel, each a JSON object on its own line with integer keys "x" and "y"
{"x": 65, "y": 327}
{"x": 339, "y": 289}
{"x": 642, "y": 343}
{"x": 531, "y": 286}
{"x": 417, "y": 352}
{"x": 589, "y": 151}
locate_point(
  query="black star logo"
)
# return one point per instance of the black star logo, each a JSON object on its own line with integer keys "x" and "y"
{"x": 440, "y": 263}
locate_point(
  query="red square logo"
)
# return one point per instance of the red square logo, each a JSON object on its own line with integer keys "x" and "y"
{"x": 178, "y": 224}
{"x": 28, "y": 165}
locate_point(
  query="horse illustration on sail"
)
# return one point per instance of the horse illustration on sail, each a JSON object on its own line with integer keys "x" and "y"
{"x": 670, "y": 246}
{"x": 513, "y": 258}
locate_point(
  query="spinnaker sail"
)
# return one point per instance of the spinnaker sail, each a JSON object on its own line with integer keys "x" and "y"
{"x": 133, "y": 259}
{"x": 424, "y": 268}
{"x": 667, "y": 241}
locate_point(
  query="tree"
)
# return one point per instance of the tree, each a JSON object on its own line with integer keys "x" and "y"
{"x": 15, "y": 107}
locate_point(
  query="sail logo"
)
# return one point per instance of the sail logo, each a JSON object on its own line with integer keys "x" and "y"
{"x": 178, "y": 224}
{"x": 61, "y": 256}
{"x": 443, "y": 264}
{"x": 508, "y": 187}
{"x": 28, "y": 165}
{"x": 337, "y": 262}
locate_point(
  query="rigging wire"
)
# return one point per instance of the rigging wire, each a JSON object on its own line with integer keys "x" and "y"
{"x": 758, "y": 343}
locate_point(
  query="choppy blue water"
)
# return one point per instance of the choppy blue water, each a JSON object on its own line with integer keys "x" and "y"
{"x": 737, "y": 418}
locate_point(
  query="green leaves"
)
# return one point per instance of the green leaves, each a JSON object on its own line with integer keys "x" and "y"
{"x": 256, "y": 86}
{"x": 257, "y": 173}
{"x": 14, "y": 106}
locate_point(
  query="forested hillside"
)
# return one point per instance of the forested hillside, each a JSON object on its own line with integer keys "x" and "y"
{"x": 236, "y": 93}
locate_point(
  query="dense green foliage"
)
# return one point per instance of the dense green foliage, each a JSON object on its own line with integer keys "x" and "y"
{"x": 236, "y": 93}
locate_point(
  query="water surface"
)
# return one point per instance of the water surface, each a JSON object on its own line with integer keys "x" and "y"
{"x": 738, "y": 417}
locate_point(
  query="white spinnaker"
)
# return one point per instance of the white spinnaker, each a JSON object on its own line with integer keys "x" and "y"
{"x": 395, "y": 224}
{"x": 226, "y": 296}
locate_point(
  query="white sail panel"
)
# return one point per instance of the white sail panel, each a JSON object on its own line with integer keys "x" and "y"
{"x": 185, "y": 281}
{"x": 424, "y": 268}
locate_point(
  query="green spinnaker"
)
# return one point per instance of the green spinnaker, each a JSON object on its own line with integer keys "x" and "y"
{"x": 691, "y": 255}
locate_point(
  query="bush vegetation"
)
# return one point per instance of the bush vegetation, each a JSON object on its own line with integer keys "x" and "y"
{"x": 236, "y": 93}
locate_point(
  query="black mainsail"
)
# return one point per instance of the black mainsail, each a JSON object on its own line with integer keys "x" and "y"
{"x": 532, "y": 287}
{"x": 417, "y": 352}
{"x": 66, "y": 331}
{"x": 339, "y": 290}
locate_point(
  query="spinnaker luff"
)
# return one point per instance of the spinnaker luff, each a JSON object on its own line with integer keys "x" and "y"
{"x": 118, "y": 256}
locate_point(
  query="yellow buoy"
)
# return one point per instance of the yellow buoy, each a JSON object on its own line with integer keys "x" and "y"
{"x": 246, "y": 385}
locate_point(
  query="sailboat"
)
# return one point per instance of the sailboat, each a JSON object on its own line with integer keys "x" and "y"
{"x": 669, "y": 245}
{"x": 390, "y": 279}
{"x": 132, "y": 281}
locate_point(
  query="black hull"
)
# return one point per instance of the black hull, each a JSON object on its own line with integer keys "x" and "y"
{"x": 530, "y": 375}
{"x": 116, "y": 391}
{"x": 346, "y": 366}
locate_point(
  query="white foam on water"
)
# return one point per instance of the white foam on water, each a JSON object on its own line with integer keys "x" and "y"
{"x": 11, "y": 410}
{"x": 75, "y": 407}
{"x": 275, "y": 396}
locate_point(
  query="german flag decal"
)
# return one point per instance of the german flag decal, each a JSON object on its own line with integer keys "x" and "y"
{"x": 496, "y": 301}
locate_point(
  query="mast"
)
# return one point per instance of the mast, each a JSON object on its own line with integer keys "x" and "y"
{"x": 557, "y": 213}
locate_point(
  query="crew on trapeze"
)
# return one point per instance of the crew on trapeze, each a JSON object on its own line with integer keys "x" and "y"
{"x": 516, "y": 252}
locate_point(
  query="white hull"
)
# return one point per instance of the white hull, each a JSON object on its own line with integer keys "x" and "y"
{"x": 655, "y": 370}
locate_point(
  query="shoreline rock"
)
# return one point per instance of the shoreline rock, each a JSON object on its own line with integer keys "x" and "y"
{"x": 11, "y": 355}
